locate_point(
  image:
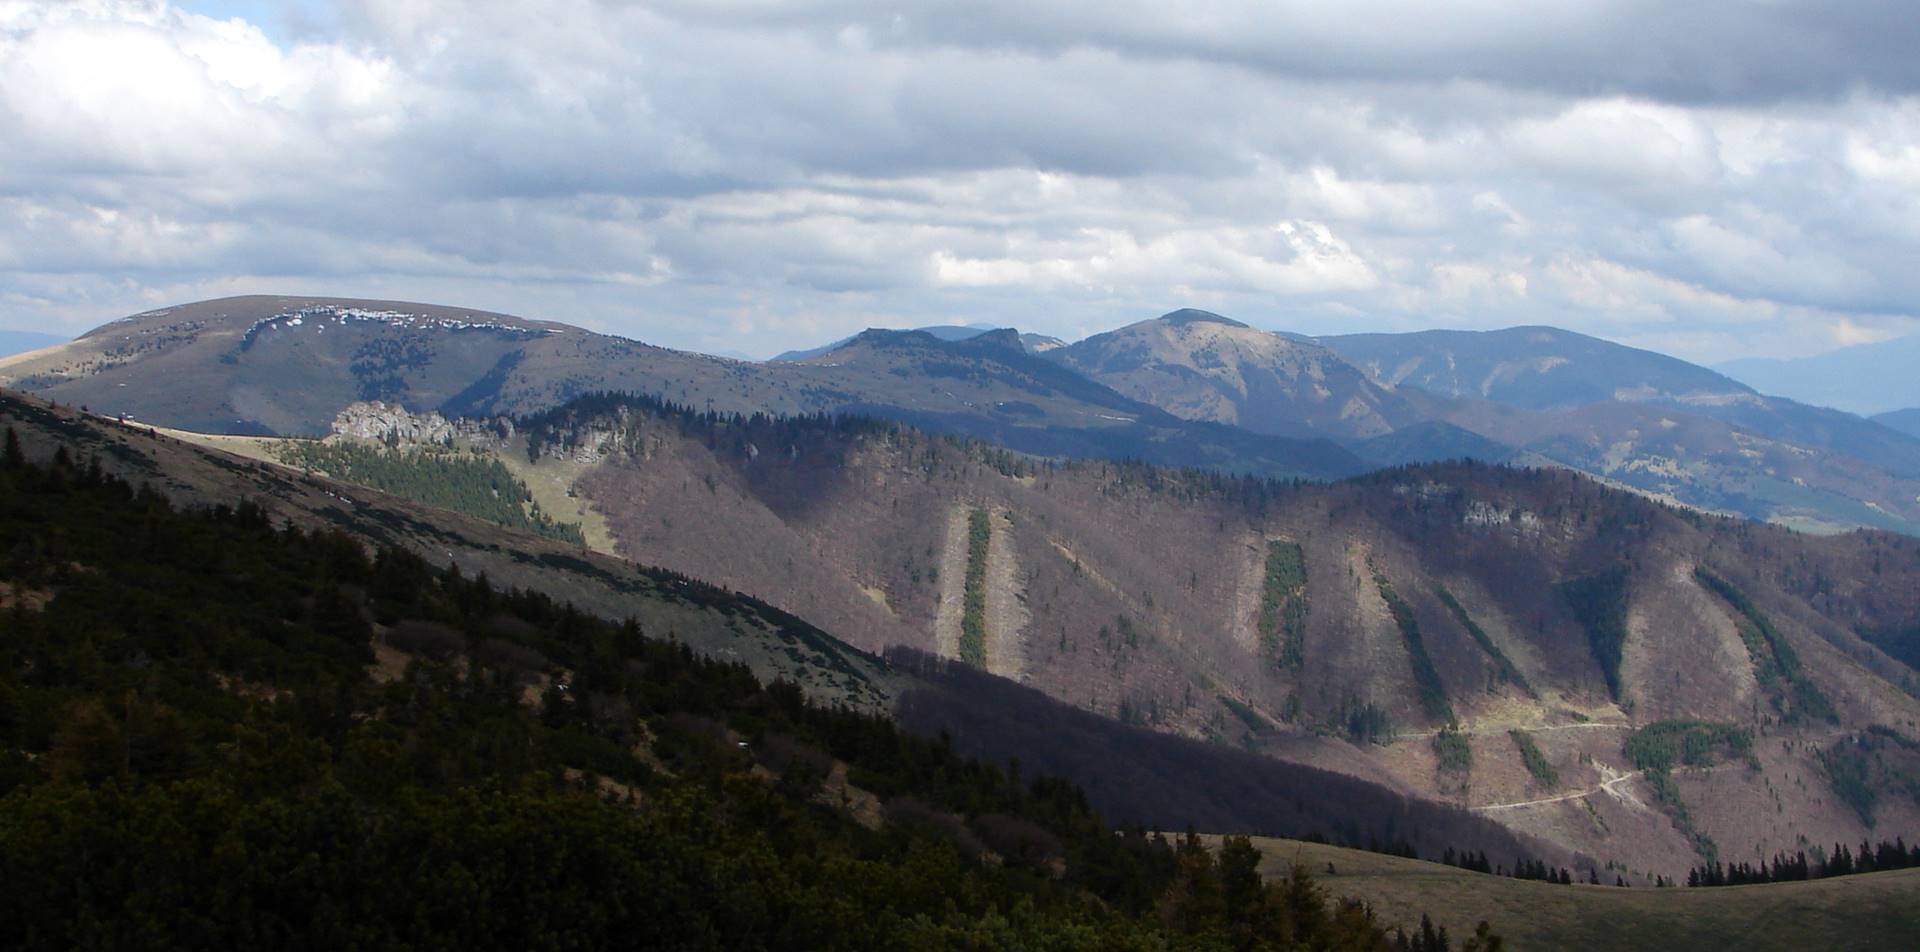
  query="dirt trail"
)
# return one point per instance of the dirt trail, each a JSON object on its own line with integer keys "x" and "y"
{"x": 1610, "y": 785}
{"x": 1086, "y": 569}
{"x": 1474, "y": 731}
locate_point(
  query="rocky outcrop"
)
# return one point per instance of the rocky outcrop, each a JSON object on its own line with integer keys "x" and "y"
{"x": 393, "y": 424}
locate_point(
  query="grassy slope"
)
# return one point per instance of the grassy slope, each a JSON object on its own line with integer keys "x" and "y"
{"x": 1875, "y": 910}
{"x": 549, "y": 483}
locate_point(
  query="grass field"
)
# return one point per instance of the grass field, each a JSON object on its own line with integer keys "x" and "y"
{"x": 252, "y": 447}
{"x": 1871, "y": 911}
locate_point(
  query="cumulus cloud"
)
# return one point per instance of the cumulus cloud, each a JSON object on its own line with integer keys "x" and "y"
{"x": 1719, "y": 177}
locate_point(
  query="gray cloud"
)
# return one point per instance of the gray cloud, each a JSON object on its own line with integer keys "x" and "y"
{"x": 1711, "y": 51}
{"x": 1718, "y": 178}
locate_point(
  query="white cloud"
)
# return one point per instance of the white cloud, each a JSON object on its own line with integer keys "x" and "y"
{"x": 1621, "y": 144}
{"x": 1290, "y": 258}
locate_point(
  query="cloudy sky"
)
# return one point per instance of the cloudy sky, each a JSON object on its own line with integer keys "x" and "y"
{"x": 1711, "y": 178}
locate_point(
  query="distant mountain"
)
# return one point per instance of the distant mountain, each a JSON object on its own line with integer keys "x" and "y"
{"x": 20, "y": 342}
{"x": 1865, "y": 378}
{"x": 1906, "y": 421}
{"x": 1034, "y": 343}
{"x": 988, "y": 386}
{"x": 1188, "y": 389}
{"x": 1540, "y": 395}
{"x": 286, "y": 365}
{"x": 1202, "y": 366}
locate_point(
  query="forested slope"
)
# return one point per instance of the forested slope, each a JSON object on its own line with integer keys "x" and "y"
{"x": 218, "y": 732}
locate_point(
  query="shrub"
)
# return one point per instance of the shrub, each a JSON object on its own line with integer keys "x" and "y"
{"x": 1019, "y": 842}
{"x": 515, "y": 660}
{"x": 429, "y": 639}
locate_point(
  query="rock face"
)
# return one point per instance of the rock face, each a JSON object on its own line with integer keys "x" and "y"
{"x": 391, "y": 423}
{"x": 395, "y": 425}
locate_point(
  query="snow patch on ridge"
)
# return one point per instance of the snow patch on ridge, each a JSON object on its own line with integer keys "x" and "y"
{"x": 319, "y": 316}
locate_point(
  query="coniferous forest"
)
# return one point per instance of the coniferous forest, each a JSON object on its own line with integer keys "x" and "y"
{"x": 462, "y": 481}
{"x": 195, "y": 752}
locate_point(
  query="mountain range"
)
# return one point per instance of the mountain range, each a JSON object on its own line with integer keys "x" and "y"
{"x": 1171, "y": 527}
{"x": 1186, "y": 389}
{"x": 1499, "y": 643}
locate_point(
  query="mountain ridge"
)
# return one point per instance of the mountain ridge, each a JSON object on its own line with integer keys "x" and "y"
{"x": 1034, "y": 343}
{"x": 256, "y": 365}
{"x": 777, "y": 646}
{"x": 1191, "y": 388}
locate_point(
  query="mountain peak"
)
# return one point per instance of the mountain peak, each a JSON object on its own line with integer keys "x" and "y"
{"x": 1001, "y": 337}
{"x": 1193, "y": 315}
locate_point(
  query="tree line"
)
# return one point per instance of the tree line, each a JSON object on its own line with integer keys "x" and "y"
{"x": 1798, "y": 867}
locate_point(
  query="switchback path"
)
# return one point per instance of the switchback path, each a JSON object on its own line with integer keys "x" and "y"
{"x": 1606, "y": 786}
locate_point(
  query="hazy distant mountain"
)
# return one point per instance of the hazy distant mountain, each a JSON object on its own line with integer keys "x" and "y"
{"x": 19, "y": 342}
{"x": 1034, "y": 343}
{"x": 1546, "y": 368}
{"x": 1202, "y": 366}
{"x": 1906, "y": 421}
{"x": 1541, "y": 395}
{"x": 1864, "y": 379}
{"x": 1539, "y": 368}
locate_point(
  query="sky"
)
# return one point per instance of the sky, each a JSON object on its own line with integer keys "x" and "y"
{"x": 1714, "y": 179}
